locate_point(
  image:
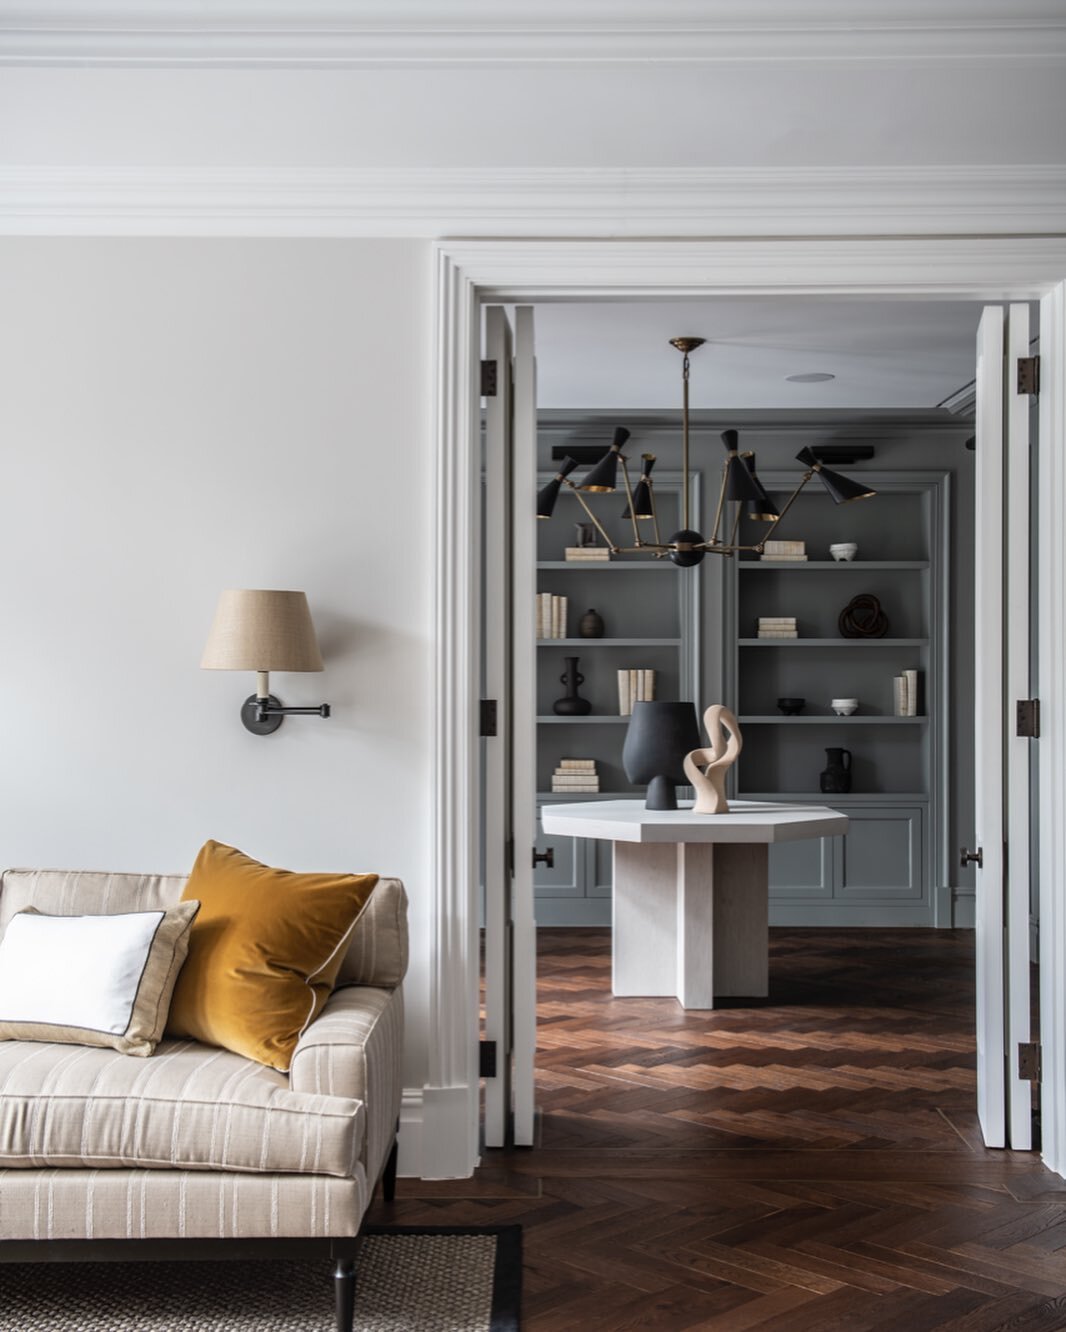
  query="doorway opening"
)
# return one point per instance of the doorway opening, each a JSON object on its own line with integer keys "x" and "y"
{"x": 695, "y": 634}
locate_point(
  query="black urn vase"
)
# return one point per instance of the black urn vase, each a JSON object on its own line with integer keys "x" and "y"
{"x": 836, "y": 778}
{"x": 659, "y": 736}
{"x": 571, "y": 704}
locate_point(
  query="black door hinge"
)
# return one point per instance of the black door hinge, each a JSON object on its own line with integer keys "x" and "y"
{"x": 486, "y": 1059}
{"x": 1028, "y": 374}
{"x": 1029, "y": 1061}
{"x": 489, "y": 384}
{"x": 488, "y": 717}
{"x": 1029, "y": 718}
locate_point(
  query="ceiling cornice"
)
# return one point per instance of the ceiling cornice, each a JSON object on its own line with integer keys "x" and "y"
{"x": 278, "y": 33}
{"x": 541, "y": 202}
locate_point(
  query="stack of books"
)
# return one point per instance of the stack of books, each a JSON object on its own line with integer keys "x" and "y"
{"x": 634, "y": 686}
{"x": 551, "y": 615}
{"x": 906, "y": 694}
{"x": 794, "y": 551}
{"x": 575, "y": 776}
{"x": 777, "y": 626}
{"x": 590, "y": 554}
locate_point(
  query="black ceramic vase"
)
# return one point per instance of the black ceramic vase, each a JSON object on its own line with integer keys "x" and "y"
{"x": 658, "y": 738}
{"x": 591, "y": 625}
{"x": 836, "y": 779}
{"x": 571, "y": 705}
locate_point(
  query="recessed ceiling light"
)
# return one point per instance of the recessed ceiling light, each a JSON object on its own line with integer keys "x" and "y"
{"x": 817, "y": 377}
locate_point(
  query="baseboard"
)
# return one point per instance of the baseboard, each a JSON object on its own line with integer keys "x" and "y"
{"x": 964, "y": 908}
{"x": 438, "y": 1137}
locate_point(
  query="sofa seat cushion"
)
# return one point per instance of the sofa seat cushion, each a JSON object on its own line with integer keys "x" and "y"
{"x": 188, "y": 1107}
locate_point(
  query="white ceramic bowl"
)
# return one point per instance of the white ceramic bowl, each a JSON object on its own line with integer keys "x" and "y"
{"x": 844, "y": 707}
{"x": 844, "y": 550}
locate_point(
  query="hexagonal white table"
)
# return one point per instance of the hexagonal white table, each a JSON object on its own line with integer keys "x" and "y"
{"x": 690, "y": 891}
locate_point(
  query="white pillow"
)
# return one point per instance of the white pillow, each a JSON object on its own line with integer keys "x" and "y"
{"x": 92, "y": 980}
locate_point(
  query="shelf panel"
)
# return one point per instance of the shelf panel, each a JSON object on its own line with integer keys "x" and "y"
{"x": 746, "y": 566}
{"x": 829, "y": 719}
{"x": 608, "y": 642}
{"x": 601, "y": 566}
{"x": 832, "y": 642}
{"x": 852, "y": 798}
{"x": 579, "y": 721}
{"x": 588, "y": 795}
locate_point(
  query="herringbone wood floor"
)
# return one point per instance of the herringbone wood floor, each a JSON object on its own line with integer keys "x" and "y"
{"x": 808, "y": 1164}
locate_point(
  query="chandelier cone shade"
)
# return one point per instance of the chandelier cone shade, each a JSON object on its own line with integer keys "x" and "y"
{"x": 740, "y": 484}
{"x": 763, "y": 509}
{"x": 643, "y": 504}
{"x": 604, "y": 476}
{"x": 841, "y": 488}
{"x": 550, "y": 493}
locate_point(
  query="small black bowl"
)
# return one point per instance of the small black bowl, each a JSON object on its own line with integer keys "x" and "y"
{"x": 790, "y": 706}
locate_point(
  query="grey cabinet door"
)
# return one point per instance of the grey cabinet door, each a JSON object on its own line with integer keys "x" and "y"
{"x": 803, "y": 869}
{"x": 881, "y": 857}
{"x": 568, "y": 876}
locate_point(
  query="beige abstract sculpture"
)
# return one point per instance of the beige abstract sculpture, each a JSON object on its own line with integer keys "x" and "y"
{"x": 706, "y": 768}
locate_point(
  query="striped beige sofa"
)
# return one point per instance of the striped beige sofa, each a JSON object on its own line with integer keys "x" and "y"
{"x": 194, "y": 1151}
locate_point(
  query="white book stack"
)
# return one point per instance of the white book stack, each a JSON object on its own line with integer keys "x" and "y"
{"x": 776, "y": 626}
{"x": 586, "y": 554}
{"x": 634, "y": 686}
{"x": 551, "y": 615}
{"x": 575, "y": 776}
{"x": 787, "y": 551}
{"x": 905, "y": 692}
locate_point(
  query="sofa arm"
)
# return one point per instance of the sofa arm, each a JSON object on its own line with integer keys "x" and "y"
{"x": 355, "y": 1048}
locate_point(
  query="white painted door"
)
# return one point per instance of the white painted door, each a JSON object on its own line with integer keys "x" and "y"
{"x": 1001, "y": 671}
{"x": 509, "y": 760}
{"x": 524, "y": 731}
{"x": 496, "y": 759}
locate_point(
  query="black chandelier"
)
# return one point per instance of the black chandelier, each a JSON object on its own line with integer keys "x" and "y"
{"x": 741, "y": 493}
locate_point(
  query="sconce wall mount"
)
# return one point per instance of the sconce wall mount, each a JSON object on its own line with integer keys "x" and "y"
{"x": 263, "y": 631}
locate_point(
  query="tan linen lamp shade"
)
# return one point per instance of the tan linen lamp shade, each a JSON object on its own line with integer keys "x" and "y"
{"x": 263, "y": 631}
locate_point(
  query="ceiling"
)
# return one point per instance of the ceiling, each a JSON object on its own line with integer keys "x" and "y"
{"x": 883, "y": 353}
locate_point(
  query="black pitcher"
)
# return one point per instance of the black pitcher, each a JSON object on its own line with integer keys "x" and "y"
{"x": 571, "y": 705}
{"x": 836, "y": 779}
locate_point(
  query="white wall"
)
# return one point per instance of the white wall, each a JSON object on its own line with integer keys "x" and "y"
{"x": 178, "y": 417}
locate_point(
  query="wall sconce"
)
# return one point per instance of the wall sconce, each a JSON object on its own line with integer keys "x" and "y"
{"x": 260, "y": 631}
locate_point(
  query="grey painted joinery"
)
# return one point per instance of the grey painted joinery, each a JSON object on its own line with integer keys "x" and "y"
{"x": 651, "y": 621}
{"x": 885, "y": 871}
{"x": 912, "y": 797}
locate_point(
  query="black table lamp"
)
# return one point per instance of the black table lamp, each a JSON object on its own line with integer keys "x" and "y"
{"x": 659, "y": 737}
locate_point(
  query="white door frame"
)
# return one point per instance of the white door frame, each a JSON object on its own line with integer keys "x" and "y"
{"x": 470, "y": 273}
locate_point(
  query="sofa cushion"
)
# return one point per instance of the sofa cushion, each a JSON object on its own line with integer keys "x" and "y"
{"x": 264, "y": 952}
{"x": 188, "y": 1107}
{"x": 377, "y": 952}
{"x": 92, "y": 980}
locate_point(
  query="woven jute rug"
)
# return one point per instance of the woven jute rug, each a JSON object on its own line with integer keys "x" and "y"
{"x": 434, "y": 1280}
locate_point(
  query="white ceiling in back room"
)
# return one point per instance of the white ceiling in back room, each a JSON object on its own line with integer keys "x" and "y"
{"x": 789, "y": 352}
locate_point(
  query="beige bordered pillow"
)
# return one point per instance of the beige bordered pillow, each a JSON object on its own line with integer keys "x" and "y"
{"x": 92, "y": 980}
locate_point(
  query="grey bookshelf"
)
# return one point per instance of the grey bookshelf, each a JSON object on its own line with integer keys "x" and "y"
{"x": 651, "y": 610}
{"x": 891, "y": 867}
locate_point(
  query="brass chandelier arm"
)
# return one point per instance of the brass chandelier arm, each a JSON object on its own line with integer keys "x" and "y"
{"x": 788, "y": 505}
{"x": 629, "y": 498}
{"x": 591, "y": 516}
{"x": 714, "y": 539}
{"x": 654, "y": 512}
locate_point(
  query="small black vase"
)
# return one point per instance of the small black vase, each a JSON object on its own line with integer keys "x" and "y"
{"x": 836, "y": 779}
{"x": 571, "y": 705}
{"x": 591, "y": 625}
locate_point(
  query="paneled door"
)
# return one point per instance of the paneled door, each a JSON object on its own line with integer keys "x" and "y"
{"x": 1001, "y": 670}
{"x": 509, "y": 794}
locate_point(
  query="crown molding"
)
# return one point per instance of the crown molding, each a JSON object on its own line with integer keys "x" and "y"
{"x": 536, "y": 202}
{"x": 279, "y": 33}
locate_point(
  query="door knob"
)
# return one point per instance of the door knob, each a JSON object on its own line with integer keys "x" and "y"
{"x": 544, "y": 857}
{"x": 978, "y": 857}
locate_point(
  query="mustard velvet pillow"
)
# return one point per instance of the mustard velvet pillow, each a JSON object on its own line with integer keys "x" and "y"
{"x": 264, "y": 952}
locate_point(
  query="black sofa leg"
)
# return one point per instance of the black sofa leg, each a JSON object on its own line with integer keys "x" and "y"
{"x": 388, "y": 1178}
{"x": 344, "y": 1284}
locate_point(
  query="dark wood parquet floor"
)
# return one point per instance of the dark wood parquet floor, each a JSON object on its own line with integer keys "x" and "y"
{"x": 811, "y": 1163}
